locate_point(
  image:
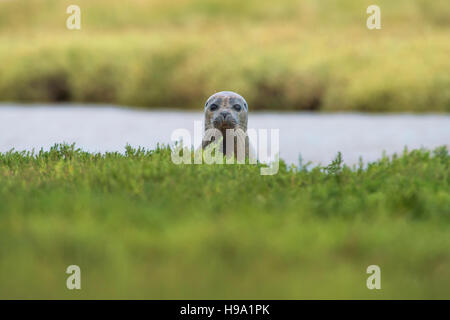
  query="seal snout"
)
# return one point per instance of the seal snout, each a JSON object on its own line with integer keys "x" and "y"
{"x": 224, "y": 120}
{"x": 224, "y": 114}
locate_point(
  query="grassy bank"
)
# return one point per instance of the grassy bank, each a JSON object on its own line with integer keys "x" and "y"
{"x": 142, "y": 227}
{"x": 298, "y": 55}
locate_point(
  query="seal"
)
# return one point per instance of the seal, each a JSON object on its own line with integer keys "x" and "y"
{"x": 226, "y": 116}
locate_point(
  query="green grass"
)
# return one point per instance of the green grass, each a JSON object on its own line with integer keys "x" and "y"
{"x": 294, "y": 55}
{"x": 142, "y": 227}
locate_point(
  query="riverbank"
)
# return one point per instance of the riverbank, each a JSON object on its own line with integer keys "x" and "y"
{"x": 289, "y": 56}
{"x": 325, "y": 72}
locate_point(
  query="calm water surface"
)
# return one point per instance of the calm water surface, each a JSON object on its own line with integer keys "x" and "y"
{"x": 317, "y": 137}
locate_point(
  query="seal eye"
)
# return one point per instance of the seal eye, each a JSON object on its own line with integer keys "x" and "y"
{"x": 213, "y": 107}
{"x": 237, "y": 107}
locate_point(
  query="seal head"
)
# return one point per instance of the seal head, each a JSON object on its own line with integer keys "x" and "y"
{"x": 226, "y": 113}
{"x": 226, "y": 110}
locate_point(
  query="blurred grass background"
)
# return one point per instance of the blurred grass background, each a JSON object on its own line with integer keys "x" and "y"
{"x": 307, "y": 234}
{"x": 287, "y": 55}
{"x": 134, "y": 223}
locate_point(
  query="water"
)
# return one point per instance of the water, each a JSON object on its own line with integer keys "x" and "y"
{"x": 317, "y": 137}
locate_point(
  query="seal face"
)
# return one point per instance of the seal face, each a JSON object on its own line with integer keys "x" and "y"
{"x": 227, "y": 112}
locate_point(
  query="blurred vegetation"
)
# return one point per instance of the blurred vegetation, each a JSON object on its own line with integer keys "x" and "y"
{"x": 138, "y": 228}
{"x": 296, "y": 55}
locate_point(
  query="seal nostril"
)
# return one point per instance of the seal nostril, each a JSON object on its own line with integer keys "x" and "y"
{"x": 224, "y": 114}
